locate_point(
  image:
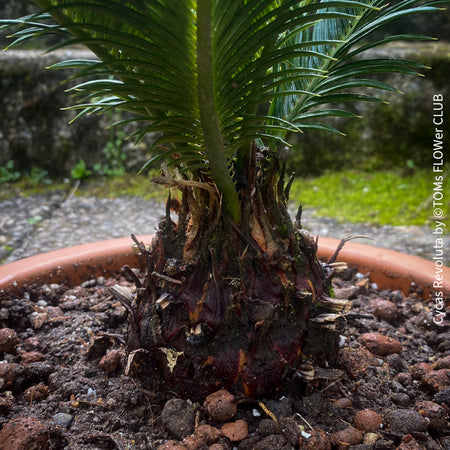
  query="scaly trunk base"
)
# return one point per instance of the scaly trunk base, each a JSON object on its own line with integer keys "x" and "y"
{"x": 239, "y": 306}
{"x": 234, "y": 307}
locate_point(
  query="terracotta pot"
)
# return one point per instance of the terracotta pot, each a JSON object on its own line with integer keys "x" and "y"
{"x": 388, "y": 269}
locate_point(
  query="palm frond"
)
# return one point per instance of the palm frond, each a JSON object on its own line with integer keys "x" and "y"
{"x": 197, "y": 70}
{"x": 346, "y": 71}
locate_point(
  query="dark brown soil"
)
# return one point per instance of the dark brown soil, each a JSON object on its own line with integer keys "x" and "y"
{"x": 63, "y": 381}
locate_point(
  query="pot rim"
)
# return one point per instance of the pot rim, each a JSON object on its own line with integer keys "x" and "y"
{"x": 72, "y": 265}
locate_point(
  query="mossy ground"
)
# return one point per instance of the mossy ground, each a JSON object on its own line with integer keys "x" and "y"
{"x": 103, "y": 187}
{"x": 378, "y": 198}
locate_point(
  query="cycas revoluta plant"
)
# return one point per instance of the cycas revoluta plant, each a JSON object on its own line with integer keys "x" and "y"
{"x": 234, "y": 294}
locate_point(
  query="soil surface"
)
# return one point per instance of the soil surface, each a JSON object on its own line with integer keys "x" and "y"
{"x": 64, "y": 381}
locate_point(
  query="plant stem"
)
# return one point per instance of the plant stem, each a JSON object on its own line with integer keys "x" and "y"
{"x": 208, "y": 114}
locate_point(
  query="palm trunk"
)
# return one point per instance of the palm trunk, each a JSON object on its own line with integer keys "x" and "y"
{"x": 234, "y": 304}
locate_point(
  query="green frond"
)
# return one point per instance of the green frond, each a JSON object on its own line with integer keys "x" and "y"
{"x": 197, "y": 71}
{"x": 344, "y": 73}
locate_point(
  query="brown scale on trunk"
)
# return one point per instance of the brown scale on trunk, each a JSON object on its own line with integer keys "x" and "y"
{"x": 237, "y": 304}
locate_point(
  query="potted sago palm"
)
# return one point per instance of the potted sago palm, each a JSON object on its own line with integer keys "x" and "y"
{"x": 234, "y": 294}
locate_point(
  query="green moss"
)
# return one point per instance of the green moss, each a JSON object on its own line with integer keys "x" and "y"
{"x": 24, "y": 188}
{"x": 127, "y": 185}
{"x": 381, "y": 198}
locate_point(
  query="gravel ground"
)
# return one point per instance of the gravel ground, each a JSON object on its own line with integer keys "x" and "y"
{"x": 45, "y": 222}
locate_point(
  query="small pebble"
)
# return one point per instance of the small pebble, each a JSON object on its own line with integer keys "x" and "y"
{"x": 349, "y": 435}
{"x": 207, "y": 433}
{"x": 367, "y": 420}
{"x": 370, "y": 438}
{"x": 409, "y": 443}
{"x": 395, "y": 362}
{"x": 221, "y": 405}
{"x": 436, "y": 414}
{"x": 91, "y": 392}
{"x": 316, "y": 439}
{"x": 384, "y": 309}
{"x": 111, "y": 361}
{"x": 442, "y": 363}
{"x": 400, "y": 399}
{"x": 31, "y": 343}
{"x": 8, "y": 340}
{"x": 444, "y": 346}
{"x": 218, "y": 446}
{"x": 266, "y": 427}
{"x": 31, "y": 357}
{"x": 36, "y": 393}
{"x": 405, "y": 379}
{"x": 343, "y": 403}
{"x": 235, "y": 431}
{"x": 435, "y": 380}
{"x": 194, "y": 443}
{"x": 89, "y": 283}
{"x": 380, "y": 345}
{"x": 397, "y": 386}
{"x": 24, "y": 433}
{"x": 63, "y": 420}
{"x": 274, "y": 441}
{"x": 443, "y": 396}
{"x": 356, "y": 362}
{"x": 178, "y": 418}
{"x": 405, "y": 421}
{"x": 7, "y": 372}
{"x": 419, "y": 370}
